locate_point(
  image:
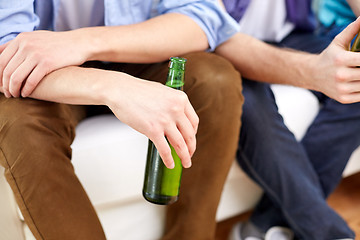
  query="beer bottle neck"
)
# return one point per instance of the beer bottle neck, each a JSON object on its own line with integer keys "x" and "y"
{"x": 175, "y": 78}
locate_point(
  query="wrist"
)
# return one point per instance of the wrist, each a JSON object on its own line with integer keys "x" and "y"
{"x": 110, "y": 91}
{"x": 89, "y": 43}
{"x": 311, "y": 71}
{"x": 96, "y": 85}
{"x": 104, "y": 87}
{"x": 305, "y": 68}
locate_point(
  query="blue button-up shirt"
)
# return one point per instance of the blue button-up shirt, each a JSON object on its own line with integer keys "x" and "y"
{"x": 18, "y": 16}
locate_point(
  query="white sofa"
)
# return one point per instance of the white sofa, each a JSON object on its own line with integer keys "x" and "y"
{"x": 109, "y": 158}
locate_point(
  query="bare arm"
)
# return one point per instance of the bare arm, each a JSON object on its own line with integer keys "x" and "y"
{"x": 150, "y": 41}
{"x": 32, "y": 55}
{"x": 146, "y": 106}
{"x": 332, "y": 72}
{"x": 262, "y": 62}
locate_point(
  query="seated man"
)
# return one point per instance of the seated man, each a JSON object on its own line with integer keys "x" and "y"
{"x": 46, "y": 69}
{"x": 297, "y": 177}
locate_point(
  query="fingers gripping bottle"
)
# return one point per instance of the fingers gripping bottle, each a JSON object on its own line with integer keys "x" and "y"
{"x": 161, "y": 185}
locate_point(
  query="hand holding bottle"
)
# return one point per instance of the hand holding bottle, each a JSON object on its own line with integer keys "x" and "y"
{"x": 161, "y": 184}
{"x": 335, "y": 70}
{"x": 160, "y": 113}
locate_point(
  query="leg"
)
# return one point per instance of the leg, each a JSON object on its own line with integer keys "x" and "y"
{"x": 35, "y": 139}
{"x": 331, "y": 139}
{"x": 335, "y": 123}
{"x": 214, "y": 89}
{"x": 285, "y": 173}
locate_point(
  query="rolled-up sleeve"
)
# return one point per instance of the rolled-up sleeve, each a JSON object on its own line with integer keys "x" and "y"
{"x": 208, "y": 14}
{"x": 16, "y": 16}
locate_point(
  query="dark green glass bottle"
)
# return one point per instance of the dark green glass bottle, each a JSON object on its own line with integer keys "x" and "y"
{"x": 161, "y": 184}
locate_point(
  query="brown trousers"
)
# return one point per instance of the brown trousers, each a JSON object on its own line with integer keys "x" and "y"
{"x": 35, "y": 139}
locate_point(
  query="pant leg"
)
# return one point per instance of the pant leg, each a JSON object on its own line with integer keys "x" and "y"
{"x": 270, "y": 154}
{"x": 335, "y": 123}
{"x": 214, "y": 89}
{"x": 35, "y": 139}
{"x": 331, "y": 139}
{"x": 266, "y": 214}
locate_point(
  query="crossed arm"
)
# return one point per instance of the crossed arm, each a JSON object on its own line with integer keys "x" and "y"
{"x": 44, "y": 65}
{"x": 32, "y": 55}
{"x": 146, "y": 106}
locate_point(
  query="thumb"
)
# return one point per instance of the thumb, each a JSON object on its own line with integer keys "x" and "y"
{"x": 347, "y": 35}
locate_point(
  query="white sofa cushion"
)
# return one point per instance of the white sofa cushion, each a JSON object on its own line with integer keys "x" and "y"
{"x": 109, "y": 158}
{"x": 299, "y": 108}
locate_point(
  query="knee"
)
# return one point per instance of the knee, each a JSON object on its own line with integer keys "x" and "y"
{"x": 30, "y": 133}
{"x": 26, "y": 118}
{"x": 214, "y": 79}
{"x": 211, "y": 71}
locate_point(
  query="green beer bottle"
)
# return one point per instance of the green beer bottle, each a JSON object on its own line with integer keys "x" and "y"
{"x": 161, "y": 184}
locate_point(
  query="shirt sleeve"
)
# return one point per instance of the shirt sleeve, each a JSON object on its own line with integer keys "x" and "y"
{"x": 217, "y": 24}
{"x": 16, "y": 17}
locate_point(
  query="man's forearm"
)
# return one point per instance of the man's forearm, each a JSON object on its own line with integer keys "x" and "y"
{"x": 32, "y": 55}
{"x": 141, "y": 104}
{"x": 76, "y": 85}
{"x": 151, "y": 41}
{"x": 259, "y": 61}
